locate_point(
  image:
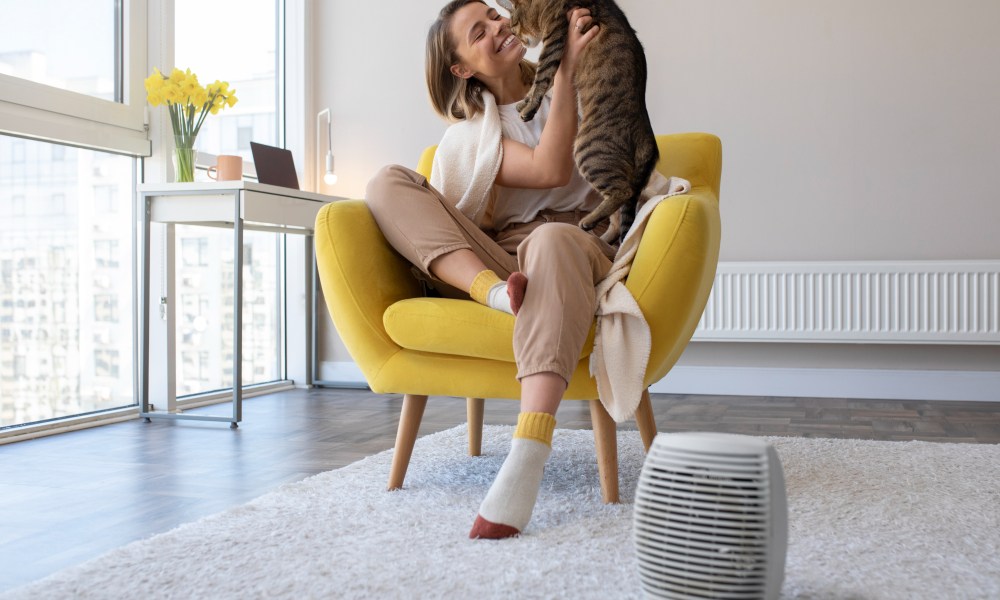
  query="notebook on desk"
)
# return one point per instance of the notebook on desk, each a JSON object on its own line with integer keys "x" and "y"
{"x": 275, "y": 166}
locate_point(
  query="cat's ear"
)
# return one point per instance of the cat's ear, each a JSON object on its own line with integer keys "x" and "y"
{"x": 461, "y": 72}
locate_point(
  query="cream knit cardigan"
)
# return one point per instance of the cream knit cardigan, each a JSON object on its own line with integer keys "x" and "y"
{"x": 467, "y": 161}
{"x": 465, "y": 166}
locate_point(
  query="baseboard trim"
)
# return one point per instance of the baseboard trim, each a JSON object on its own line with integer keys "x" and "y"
{"x": 869, "y": 384}
{"x": 340, "y": 374}
{"x": 976, "y": 386}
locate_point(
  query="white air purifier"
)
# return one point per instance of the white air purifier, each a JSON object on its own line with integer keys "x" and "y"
{"x": 710, "y": 518}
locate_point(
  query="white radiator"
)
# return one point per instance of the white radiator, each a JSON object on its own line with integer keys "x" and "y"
{"x": 936, "y": 302}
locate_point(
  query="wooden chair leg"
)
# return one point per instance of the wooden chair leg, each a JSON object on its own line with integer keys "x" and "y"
{"x": 406, "y": 436}
{"x": 606, "y": 442}
{"x": 474, "y": 408}
{"x": 644, "y": 419}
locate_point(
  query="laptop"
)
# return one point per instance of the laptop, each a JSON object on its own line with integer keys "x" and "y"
{"x": 275, "y": 166}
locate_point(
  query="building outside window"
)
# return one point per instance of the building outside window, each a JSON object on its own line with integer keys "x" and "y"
{"x": 63, "y": 276}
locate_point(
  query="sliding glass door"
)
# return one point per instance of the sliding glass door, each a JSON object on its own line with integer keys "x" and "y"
{"x": 65, "y": 281}
{"x": 73, "y": 133}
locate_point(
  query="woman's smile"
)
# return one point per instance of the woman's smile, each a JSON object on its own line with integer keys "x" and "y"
{"x": 508, "y": 42}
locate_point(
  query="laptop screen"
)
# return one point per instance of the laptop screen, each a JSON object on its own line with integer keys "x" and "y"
{"x": 275, "y": 166}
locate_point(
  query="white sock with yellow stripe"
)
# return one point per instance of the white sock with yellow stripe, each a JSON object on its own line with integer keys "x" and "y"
{"x": 488, "y": 289}
{"x": 507, "y": 508}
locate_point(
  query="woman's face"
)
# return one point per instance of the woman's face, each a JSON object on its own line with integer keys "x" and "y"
{"x": 485, "y": 46}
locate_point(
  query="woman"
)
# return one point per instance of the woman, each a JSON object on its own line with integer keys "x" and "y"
{"x": 502, "y": 212}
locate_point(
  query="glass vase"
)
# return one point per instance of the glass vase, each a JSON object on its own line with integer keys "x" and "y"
{"x": 184, "y": 157}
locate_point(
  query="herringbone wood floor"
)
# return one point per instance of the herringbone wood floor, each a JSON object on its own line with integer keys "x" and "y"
{"x": 71, "y": 497}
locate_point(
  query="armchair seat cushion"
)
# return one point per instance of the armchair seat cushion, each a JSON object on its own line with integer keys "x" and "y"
{"x": 455, "y": 327}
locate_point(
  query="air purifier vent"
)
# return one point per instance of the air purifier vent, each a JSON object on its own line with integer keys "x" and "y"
{"x": 710, "y": 518}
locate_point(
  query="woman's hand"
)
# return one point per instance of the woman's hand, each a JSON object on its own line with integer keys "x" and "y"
{"x": 582, "y": 29}
{"x": 550, "y": 163}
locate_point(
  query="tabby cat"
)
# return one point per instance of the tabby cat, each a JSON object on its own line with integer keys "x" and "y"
{"x": 615, "y": 148}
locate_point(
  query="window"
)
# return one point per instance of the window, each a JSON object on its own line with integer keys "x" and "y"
{"x": 37, "y": 47}
{"x": 106, "y": 364}
{"x": 194, "y": 251}
{"x": 106, "y": 253}
{"x": 71, "y": 73}
{"x": 106, "y": 308}
{"x": 72, "y": 70}
{"x": 234, "y": 41}
{"x": 205, "y": 314}
{"x": 58, "y": 259}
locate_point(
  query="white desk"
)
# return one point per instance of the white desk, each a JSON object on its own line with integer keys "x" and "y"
{"x": 241, "y": 206}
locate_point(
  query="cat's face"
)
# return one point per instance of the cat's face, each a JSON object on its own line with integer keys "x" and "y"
{"x": 526, "y": 18}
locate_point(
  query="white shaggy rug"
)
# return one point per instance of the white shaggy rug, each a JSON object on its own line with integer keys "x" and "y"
{"x": 867, "y": 520}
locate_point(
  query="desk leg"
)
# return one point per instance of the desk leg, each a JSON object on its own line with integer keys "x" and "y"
{"x": 170, "y": 308}
{"x": 312, "y": 316}
{"x": 237, "y": 315}
{"x": 144, "y": 307}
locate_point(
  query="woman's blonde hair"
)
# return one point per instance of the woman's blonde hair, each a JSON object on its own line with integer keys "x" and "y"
{"x": 455, "y": 98}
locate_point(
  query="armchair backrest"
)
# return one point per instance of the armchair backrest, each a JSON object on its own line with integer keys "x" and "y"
{"x": 426, "y": 161}
{"x": 696, "y": 157}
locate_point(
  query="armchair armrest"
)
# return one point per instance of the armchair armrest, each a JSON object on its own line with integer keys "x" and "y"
{"x": 361, "y": 276}
{"x": 674, "y": 268}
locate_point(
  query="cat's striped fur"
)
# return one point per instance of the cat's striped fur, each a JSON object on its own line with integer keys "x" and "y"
{"x": 615, "y": 147}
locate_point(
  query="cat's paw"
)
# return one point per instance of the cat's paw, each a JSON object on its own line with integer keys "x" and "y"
{"x": 527, "y": 109}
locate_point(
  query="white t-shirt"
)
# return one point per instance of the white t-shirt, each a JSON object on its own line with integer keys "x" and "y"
{"x": 520, "y": 205}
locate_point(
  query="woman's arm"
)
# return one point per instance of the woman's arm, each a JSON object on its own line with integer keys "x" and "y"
{"x": 550, "y": 163}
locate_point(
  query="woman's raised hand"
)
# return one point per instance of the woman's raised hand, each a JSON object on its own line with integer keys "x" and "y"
{"x": 582, "y": 29}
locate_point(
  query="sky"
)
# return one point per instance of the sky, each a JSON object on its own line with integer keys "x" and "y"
{"x": 225, "y": 39}
{"x": 78, "y": 43}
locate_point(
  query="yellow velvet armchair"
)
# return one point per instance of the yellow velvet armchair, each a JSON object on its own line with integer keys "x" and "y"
{"x": 418, "y": 346}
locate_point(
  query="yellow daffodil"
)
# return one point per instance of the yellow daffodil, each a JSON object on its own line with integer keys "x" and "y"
{"x": 188, "y": 102}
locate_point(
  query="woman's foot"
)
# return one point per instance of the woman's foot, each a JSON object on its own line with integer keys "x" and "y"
{"x": 490, "y": 290}
{"x": 507, "y": 508}
{"x": 516, "y": 284}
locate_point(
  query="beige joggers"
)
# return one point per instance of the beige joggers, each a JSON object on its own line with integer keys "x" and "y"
{"x": 562, "y": 262}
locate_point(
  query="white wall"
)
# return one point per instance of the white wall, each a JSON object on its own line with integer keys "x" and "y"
{"x": 851, "y": 130}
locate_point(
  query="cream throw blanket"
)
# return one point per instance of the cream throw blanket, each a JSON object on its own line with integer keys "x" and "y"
{"x": 622, "y": 340}
{"x": 464, "y": 169}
